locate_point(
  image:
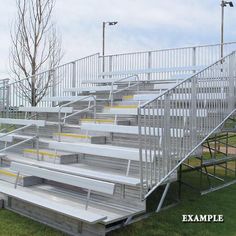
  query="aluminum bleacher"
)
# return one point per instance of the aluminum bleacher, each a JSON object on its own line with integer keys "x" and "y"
{"x": 100, "y": 143}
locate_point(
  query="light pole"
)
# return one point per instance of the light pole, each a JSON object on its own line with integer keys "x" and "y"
{"x": 223, "y": 5}
{"x": 110, "y": 23}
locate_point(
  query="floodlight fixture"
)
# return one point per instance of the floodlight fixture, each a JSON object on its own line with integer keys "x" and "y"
{"x": 113, "y": 23}
{"x": 223, "y": 5}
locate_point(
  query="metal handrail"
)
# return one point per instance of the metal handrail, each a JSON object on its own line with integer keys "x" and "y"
{"x": 72, "y": 74}
{"x": 18, "y": 144}
{"x": 183, "y": 81}
{"x": 169, "y": 49}
{"x": 11, "y": 126}
{"x": 111, "y": 96}
{"x": 188, "y": 155}
{"x": 57, "y": 67}
{"x": 16, "y": 130}
{"x": 161, "y": 50}
{"x": 76, "y": 113}
{"x": 148, "y": 117}
{"x": 24, "y": 141}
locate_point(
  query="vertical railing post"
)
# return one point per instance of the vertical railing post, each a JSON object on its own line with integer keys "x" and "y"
{"x": 194, "y": 59}
{"x": 140, "y": 153}
{"x": 103, "y": 65}
{"x": 166, "y": 132}
{"x": 232, "y": 74}
{"x": 73, "y": 82}
{"x": 97, "y": 66}
{"x": 37, "y": 142}
{"x": 54, "y": 85}
{"x": 193, "y": 112}
{"x": 110, "y": 65}
{"x": 7, "y": 97}
{"x": 149, "y": 64}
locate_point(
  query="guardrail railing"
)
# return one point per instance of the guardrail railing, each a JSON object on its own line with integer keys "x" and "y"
{"x": 185, "y": 57}
{"x": 88, "y": 108}
{"x": 89, "y": 68}
{"x": 18, "y": 94}
{"x": 173, "y": 125}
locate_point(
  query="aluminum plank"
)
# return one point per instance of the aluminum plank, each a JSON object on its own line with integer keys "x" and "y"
{"x": 67, "y": 98}
{"x": 91, "y": 89}
{"x": 31, "y": 197}
{"x": 115, "y": 178}
{"x": 39, "y": 123}
{"x": 46, "y": 109}
{"x": 98, "y": 150}
{"x": 179, "y": 133}
{"x": 82, "y": 182}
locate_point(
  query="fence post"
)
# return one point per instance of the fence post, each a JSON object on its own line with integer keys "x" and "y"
{"x": 166, "y": 132}
{"x": 193, "y": 112}
{"x": 194, "y": 59}
{"x": 110, "y": 65}
{"x": 140, "y": 154}
{"x": 54, "y": 85}
{"x": 73, "y": 82}
{"x": 149, "y": 64}
{"x": 7, "y": 97}
{"x": 232, "y": 83}
{"x": 73, "y": 74}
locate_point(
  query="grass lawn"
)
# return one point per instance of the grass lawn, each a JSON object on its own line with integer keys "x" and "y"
{"x": 169, "y": 222}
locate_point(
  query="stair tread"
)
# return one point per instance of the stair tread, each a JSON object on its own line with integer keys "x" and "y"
{"x": 84, "y": 171}
{"x": 48, "y": 201}
{"x": 47, "y": 152}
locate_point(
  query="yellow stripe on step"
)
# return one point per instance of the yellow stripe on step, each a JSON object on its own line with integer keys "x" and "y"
{"x": 82, "y": 136}
{"x": 99, "y": 120}
{"x": 124, "y": 106}
{"x": 127, "y": 97}
{"x": 8, "y": 173}
{"x": 43, "y": 153}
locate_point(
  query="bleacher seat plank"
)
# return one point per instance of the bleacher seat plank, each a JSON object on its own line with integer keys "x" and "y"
{"x": 98, "y": 150}
{"x": 123, "y": 129}
{"x": 91, "y": 89}
{"x": 46, "y": 109}
{"x": 78, "y": 181}
{"x": 39, "y": 123}
{"x": 31, "y": 197}
{"x": 78, "y": 171}
{"x": 67, "y": 98}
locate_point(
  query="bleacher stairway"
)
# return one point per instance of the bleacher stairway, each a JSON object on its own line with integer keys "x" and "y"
{"x": 86, "y": 159}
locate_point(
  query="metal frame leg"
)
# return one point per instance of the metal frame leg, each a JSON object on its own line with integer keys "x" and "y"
{"x": 163, "y": 197}
{"x": 17, "y": 179}
{"x": 87, "y": 200}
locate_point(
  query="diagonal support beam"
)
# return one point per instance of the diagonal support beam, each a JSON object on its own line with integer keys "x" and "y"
{"x": 163, "y": 197}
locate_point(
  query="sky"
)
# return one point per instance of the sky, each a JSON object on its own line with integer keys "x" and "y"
{"x": 142, "y": 25}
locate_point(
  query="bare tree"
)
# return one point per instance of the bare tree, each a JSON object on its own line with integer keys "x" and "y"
{"x": 35, "y": 47}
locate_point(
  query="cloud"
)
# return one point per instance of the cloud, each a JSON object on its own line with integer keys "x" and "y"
{"x": 143, "y": 25}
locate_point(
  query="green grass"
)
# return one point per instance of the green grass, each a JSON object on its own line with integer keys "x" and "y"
{"x": 12, "y": 224}
{"x": 169, "y": 222}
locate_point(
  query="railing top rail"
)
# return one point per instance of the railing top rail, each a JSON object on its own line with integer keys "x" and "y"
{"x": 170, "y": 49}
{"x": 188, "y": 155}
{"x": 57, "y": 67}
{"x": 141, "y": 52}
{"x": 178, "y": 84}
{"x": 76, "y": 100}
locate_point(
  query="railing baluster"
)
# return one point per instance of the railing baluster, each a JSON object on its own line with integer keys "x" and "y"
{"x": 188, "y": 102}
